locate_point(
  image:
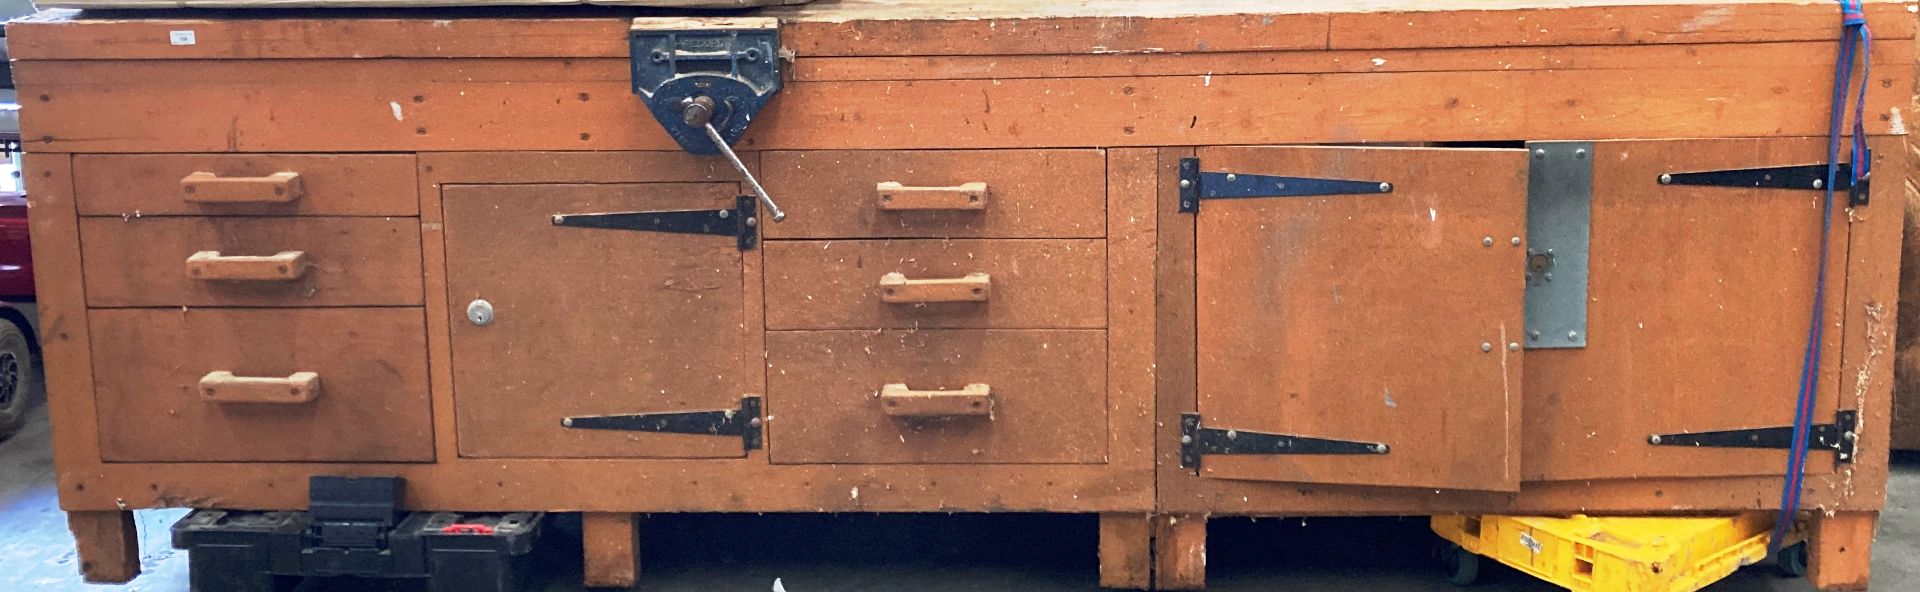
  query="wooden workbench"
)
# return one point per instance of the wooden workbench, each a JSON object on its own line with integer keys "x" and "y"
{"x": 427, "y": 151}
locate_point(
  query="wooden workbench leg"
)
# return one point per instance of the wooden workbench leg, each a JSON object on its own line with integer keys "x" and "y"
{"x": 612, "y": 547}
{"x": 1840, "y": 550}
{"x": 108, "y": 545}
{"x": 1179, "y": 552}
{"x": 1126, "y": 551}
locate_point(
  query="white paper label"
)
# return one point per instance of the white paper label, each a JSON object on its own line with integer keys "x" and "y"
{"x": 180, "y": 37}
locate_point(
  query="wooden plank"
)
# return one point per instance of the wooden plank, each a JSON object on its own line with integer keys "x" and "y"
{"x": 351, "y": 261}
{"x": 1049, "y": 392}
{"x": 1029, "y": 193}
{"x": 108, "y": 545}
{"x": 1841, "y": 550}
{"x": 1869, "y": 351}
{"x": 346, "y": 106}
{"x": 1892, "y": 53}
{"x": 1032, "y": 284}
{"x": 1574, "y": 24}
{"x": 1179, "y": 551}
{"x": 1004, "y": 27}
{"x": 1132, "y": 178}
{"x": 611, "y": 544}
{"x": 340, "y": 185}
{"x": 65, "y": 344}
{"x": 371, "y": 361}
{"x": 1126, "y": 551}
{"x": 1307, "y": 326}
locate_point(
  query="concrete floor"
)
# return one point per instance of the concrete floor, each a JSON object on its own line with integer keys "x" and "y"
{"x": 933, "y": 553}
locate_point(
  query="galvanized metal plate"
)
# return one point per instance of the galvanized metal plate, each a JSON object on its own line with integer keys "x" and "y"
{"x": 1559, "y": 229}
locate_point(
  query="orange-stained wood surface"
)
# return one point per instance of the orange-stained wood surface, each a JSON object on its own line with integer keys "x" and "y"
{"x": 108, "y": 545}
{"x": 1389, "y": 318}
{"x": 338, "y": 185}
{"x": 956, "y": 27}
{"x": 589, "y": 321}
{"x": 1033, "y": 284}
{"x": 1048, "y": 390}
{"x": 1033, "y": 193}
{"x": 1126, "y": 551}
{"x": 1708, "y": 338}
{"x": 456, "y": 105}
{"x": 373, "y": 362}
{"x": 352, "y": 261}
{"x": 1059, "y": 112}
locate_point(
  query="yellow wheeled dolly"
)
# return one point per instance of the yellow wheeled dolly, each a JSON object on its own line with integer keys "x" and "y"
{"x": 1616, "y": 554}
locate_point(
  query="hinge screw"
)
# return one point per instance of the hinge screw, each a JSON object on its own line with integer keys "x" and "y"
{"x": 1486, "y": 347}
{"x": 1666, "y": 179}
{"x": 1487, "y": 242}
{"x": 1233, "y": 435}
{"x": 1533, "y": 335}
{"x": 1539, "y": 152}
{"x": 1232, "y": 177}
{"x": 1385, "y": 187}
{"x": 566, "y": 422}
{"x": 557, "y": 219}
{"x": 1186, "y": 183}
{"x": 1580, "y": 153}
{"x": 755, "y": 422}
{"x": 1186, "y": 439}
{"x": 1513, "y": 346}
{"x": 1819, "y": 183}
{"x": 1573, "y": 335}
{"x": 1654, "y": 439}
{"x": 724, "y": 214}
{"x": 1379, "y": 448}
{"x": 1849, "y": 436}
{"x": 753, "y": 221}
{"x": 1186, "y": 204}
{"x": 1516, "y": 241}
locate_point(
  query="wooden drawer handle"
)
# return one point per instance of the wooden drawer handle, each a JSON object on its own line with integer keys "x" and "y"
{"x": 899, "y": 401}
{"x": 224, "y": 387}
{"x": 894, "y": 196}
{"x": 203, "y": 187}
{"x": 285, "y": 266}
{"x": 897, "y": 289}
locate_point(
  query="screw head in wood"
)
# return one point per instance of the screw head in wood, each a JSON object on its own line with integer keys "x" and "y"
{"x": 1486, "y": 242}
{"x": 1513, "y": 346}
{"x": 1385, "y": 187}
{"x": 1654, "y": 439}
{"x": 1666, "y": 179}
{"x": 1486, "y": 347}
{"x": 1516, "y": 241}
{"x": 566, "y": 422}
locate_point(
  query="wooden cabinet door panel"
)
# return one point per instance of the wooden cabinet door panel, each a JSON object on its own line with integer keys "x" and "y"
{"x": 590, "y": 321}
{"x": 1698, "y": 304}
{"x": 1379, "y": 318}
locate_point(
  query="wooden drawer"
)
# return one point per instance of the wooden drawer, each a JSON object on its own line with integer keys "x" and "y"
{"x": 1044, "y": 399}
{"x": 1020, "y": 193}
{"x": 262, "y": 184}
{"x": 929, "y": 284}
{"x": 339, "y": 261}
{"x": 366, "y": 401}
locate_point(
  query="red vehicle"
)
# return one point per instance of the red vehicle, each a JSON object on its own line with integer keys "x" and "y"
{"x": 19, "y": 352}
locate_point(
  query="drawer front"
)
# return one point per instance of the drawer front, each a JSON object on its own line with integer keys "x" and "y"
{"x": 229, "y": 261}
{"x": 932, "y": 284}
{"x": 938, "y": 193}
{"x": 354, "y": 382}
{"x": 1044, "y": 396}
{"x": 245, "y": 185}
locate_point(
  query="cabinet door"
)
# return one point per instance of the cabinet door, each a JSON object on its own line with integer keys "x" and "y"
{"x": 1698, "y": 306}
{"x": 1372, "y": 330}
{"x": 590, "y": 321}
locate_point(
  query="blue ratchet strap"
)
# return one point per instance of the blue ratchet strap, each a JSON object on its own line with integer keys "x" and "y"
{"x": 1854, "y": 37}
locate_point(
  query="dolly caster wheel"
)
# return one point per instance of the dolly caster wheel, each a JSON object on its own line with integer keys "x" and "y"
{"x": 1463, "y": 567}
{"x": 1791, "y": 561}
